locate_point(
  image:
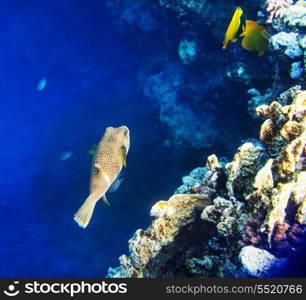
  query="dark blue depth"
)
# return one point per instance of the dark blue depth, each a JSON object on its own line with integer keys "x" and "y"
{"x": 90, "y": 84}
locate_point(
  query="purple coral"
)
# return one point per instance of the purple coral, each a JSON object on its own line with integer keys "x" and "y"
{"x": 252, "y": 234}
{"x": 287, "y": 238}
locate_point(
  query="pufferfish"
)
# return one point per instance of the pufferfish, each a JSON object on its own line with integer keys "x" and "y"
{"x": 233, "y": 28}
{"x": 255, "y": 37}
{"x": 108, "y": 161}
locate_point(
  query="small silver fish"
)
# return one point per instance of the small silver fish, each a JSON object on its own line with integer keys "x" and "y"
{"x": 65, "y": 155}
{"x": 42, "y": 84}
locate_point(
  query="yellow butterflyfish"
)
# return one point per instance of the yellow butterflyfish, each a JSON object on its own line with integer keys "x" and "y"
{"x": 255, "y": 37}
{"x": 233, "y": 28}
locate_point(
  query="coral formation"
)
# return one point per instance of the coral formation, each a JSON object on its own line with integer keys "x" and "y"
{"x": 246, "y": 209}
{"x": 154, "y": 251}
{"x": 275, "y": 8}
{"x": 192, "y": 180}
{"x": 188, "y": 51}
{"x": 244, "y": 164}
{"x": 246, "y": 216}
{"x": 287, "y": 44}
{"x": 258, "y": 262}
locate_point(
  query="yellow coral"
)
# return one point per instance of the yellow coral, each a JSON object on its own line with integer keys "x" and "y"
{"x": 285, "y": 126}
{"x": 289, "y": 160}
{"x": 294, "y": 191}
{"x": 267, "y": 130}
{"x": 264, "y": 177}
{"x": 291, "y": 130}
{"x": 212, "y": 160}
{"x": 152, "y": 244}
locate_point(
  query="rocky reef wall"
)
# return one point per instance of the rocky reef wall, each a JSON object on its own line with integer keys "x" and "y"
{"x": 240, "y": 219}
{"x": 246, "y": 216}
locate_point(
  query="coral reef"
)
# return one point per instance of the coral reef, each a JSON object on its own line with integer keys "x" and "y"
{"x": 154, "y": 252}
{"x": 245, "y": 163}
{"x": 188, "y": 51}
{"x": 258, "y": 262}
{"x": 186, "y": 74}
{"x": 192, "y": 180}
{"x": 287, "y": 43}
{"x": 245, "y": 209}
{"x": 245, "y": 217}
{"x": 275, "y": 8}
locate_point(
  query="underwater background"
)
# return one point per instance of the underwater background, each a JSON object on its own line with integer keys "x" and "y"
{"x": 90, "y": 84}
{"x": 71, "y": 68}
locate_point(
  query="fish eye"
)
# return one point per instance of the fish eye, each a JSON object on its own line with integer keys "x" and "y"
{"x": 125, "y": 132}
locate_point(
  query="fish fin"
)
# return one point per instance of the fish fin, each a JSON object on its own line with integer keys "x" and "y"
{"x": 261, "y": 53}
{"x": 240, "y": 11}
{"x": 244, "y": 44}
{"x": 105, "y": 201}
{"x": 243, "y": 31}
{"x": 92, "y": 151}
{"x": 84, "y": 214}
{"x": 234, "y": 40}
{"x": 225, "y": 43}
{"x": 116, "y": 184}
{"x": 99, "y": 169}
{"x": 123, "y": 156}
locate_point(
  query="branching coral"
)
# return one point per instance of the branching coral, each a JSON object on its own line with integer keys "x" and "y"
{"x": 275, "y": 8}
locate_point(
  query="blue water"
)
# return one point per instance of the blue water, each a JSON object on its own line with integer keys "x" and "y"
{"x": 90, "y": 84}
{"x": 67, "y": 73}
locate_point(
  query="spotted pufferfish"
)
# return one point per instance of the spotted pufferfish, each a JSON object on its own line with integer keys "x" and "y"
{"x": 108, "y": 161}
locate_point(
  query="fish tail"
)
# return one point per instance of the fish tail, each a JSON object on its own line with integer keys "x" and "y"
{"x": 84, "y": 214}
